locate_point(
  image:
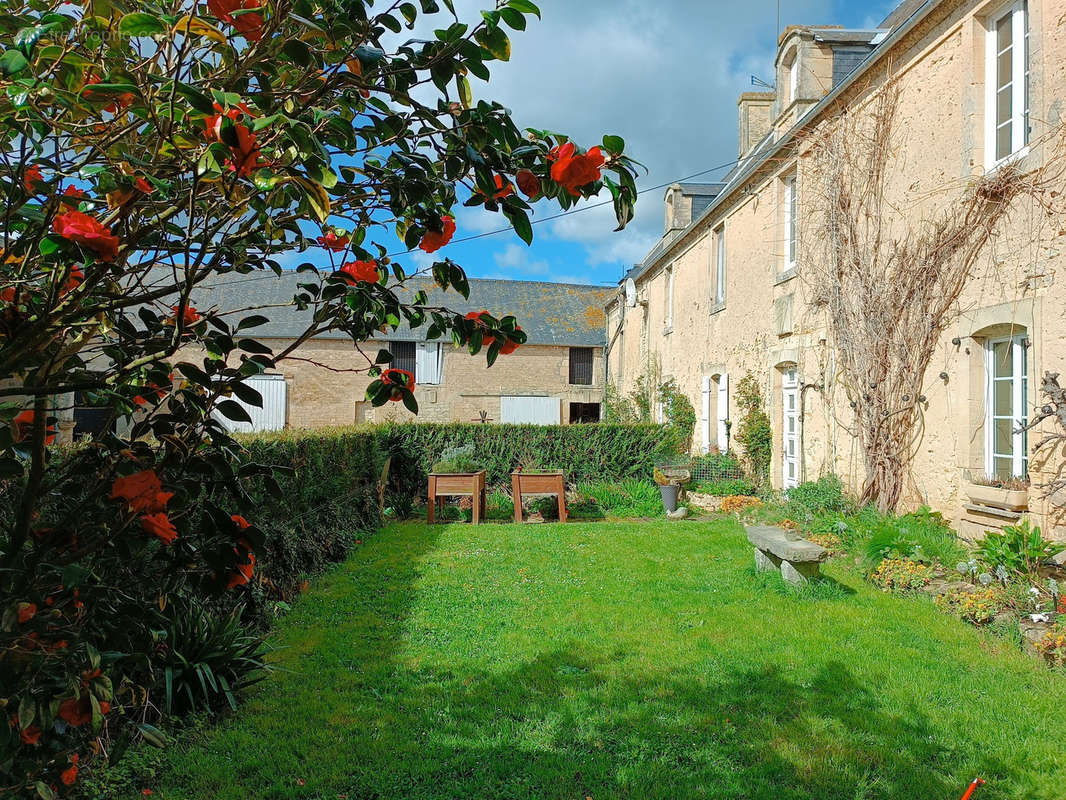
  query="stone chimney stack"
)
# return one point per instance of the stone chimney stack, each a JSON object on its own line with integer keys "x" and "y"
{"x": 756, "y": 117}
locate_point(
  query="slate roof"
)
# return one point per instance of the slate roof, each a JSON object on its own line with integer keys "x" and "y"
{"x": 550, "y": 313}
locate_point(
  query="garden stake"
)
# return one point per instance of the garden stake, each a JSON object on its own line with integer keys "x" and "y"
{"x": 969, "y": 792}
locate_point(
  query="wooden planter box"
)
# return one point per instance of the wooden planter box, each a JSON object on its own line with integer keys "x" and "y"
{"x": 464, "y": 484}
{"x": 538, "y": 483}
{"x": 996, "y": 497}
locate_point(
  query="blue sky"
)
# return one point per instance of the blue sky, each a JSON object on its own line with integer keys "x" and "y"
{"x": 665, "y": 76}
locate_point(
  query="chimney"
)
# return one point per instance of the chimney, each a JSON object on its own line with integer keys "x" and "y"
{"x": 756, "y": 117}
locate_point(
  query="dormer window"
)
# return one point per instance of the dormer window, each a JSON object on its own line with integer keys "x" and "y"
{"x": 792, "y": 72}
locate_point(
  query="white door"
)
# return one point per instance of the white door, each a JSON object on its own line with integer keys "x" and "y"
{"x": 529, "y": 410}
{"x": 791, "y": 420}
{"x": 271, "y": 417}
{"x": 705, "y": 418}
{"x": 723, "y": 411}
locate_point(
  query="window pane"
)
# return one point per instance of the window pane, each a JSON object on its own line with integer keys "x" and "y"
{"x": 1004, "y": 68}
{"x": 1002, "y": 360}
{"x": 1004, "y": 105}
{"x": 1003, "y": 468}
{"x": 1003, "y": 430}
{"x": 1003, "y": 398}
{"x": 1004, "y": 32}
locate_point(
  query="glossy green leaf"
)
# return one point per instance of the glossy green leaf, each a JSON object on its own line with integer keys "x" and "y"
{"x": 138, "y": 23}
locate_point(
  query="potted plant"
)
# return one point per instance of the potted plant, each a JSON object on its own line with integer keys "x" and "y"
{"x": 1011, "y": 494}
{"x": 668, "y": 488}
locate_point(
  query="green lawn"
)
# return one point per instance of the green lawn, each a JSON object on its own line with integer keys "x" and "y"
{"x": 621, "y": 660}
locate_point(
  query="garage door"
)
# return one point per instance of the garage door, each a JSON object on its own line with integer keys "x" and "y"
{"x": 271, "y": 417}
{"x": 529, "y": 410}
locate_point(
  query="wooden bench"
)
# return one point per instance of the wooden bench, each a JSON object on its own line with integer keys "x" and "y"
{"x": 776, "y": 550}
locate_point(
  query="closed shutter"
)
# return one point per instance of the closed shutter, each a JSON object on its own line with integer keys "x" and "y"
{"x": 403, "y": 356}
{"x": 529, "y": 410}
{"x": 428, "y": 364}
{"x": 705, "y": 417}
{"x": 723, "y": 411}
{"x": 271, "y": 417}
{"x": 581, "y": 366}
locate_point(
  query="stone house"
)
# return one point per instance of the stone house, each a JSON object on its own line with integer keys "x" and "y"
{"x": 728, "y": 290}
{"x": 555, "y": 378}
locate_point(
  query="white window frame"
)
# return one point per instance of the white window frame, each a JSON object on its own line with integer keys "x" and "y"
{"x": 720, "y": 256}
{"x": 1018, "y": 12}
{"x": 790, "y": 440}
{"x": 669, "y": 289}
{"x": 429, "y": 363}
{"x": 791, "y": 212}
{"x": 793, "y": 75}
{"x": 1019, "y": 416}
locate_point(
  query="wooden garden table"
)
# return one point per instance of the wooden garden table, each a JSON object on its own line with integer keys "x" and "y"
{"x": 465, "y": 484}
{"x": 538, "y": 483}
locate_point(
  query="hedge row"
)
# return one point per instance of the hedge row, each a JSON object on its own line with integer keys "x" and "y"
{"x": 601, "y": 453}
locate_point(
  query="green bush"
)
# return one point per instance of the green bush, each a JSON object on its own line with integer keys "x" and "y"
{"x": 499, "y": 506}
{"x": 456, "y": 461}
{"x": 1020, "y": 549}
{"x": 823, "y": 496}
{"x": 922, "y": 535}
{"x": 327, "y": 499}
{"x": 602, "y": 453}
{"x": 754, "y": 433}
{"x": 628, "y": 499}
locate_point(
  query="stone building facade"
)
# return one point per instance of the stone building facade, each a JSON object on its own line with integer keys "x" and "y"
{"x": 727, "y": 291}
{"x": 555, "y": 378}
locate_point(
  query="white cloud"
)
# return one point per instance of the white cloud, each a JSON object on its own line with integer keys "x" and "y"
{"x": 516, "y": 257}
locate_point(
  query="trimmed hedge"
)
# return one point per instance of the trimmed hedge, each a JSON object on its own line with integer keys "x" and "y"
{"x": 601, "y": 453}
{"x": 327, "y": 501}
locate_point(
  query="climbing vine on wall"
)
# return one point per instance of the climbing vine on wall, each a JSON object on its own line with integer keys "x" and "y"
{"x": 754, "y": 432}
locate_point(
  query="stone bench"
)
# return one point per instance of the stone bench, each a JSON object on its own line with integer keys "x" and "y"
{"x": 797, "y": 559}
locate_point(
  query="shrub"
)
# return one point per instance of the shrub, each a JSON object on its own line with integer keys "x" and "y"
{"x": 1020, "y": 549}
{"x": 499, "y": 506}
{"x": 922, "y": 535}
{"x": 679, "y": 411}
{"x": 823, "y": 496}
{"x": 598, "y": 453}
{"x": 754, "y": 433}
{"x": 205, "y": 658}
{"x": 901, "y": 575}
{"x": 629, "y": 499}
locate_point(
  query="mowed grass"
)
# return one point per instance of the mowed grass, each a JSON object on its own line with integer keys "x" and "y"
{"x": 619, "y": 660}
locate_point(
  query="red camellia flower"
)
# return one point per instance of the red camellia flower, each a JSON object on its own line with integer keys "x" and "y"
{"x": 214, "y": 122}
{"x": 249, "y": 25}
{"x": 26, "y": 612}
{"x": 503, "y": 188}
{"x": 433, "y": 241}
{"x": 398, "y": 378}
{"x": 142, "y": 490}
{"x": 31, "y": 735}
{"x": 190, "y": 316}
{"x": 331, "y": 241}
{"x": 160, "y": 526}
{"x": 528, "y": 183}
{"x": 74, "y": 281}
{"x": 69, "y": 775}
{"x": 476, "y": 316}
{"x": 105, "y": 707}
{"x": 23, "y": 425}
{"x": 508, "y": 345}
{"x": 88, "y": 232}
{"x": 571, "y": 170}
{"x": 241, "y": 522}
{"x": 243, "y": 573}
{"x": 355, "y": 271}
{"x": 245, "y": 153}
{"x": 144, "y": 185}
{"x": 31, "y": 179}
{"x": 76, "y": 712}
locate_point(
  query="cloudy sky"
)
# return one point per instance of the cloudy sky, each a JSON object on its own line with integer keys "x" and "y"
{"x": 663, "y": 75}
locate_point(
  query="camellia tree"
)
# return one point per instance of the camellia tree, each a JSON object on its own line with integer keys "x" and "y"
{"x": 149, "y": 149}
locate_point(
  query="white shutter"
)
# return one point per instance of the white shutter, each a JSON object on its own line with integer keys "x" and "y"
{"x": 428, "y": 358}
{"x": 271, "y": 417}
{"x": 723, "y": 409}
{"x": 529, "y": 410}
{"x": 705, "y": 419}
